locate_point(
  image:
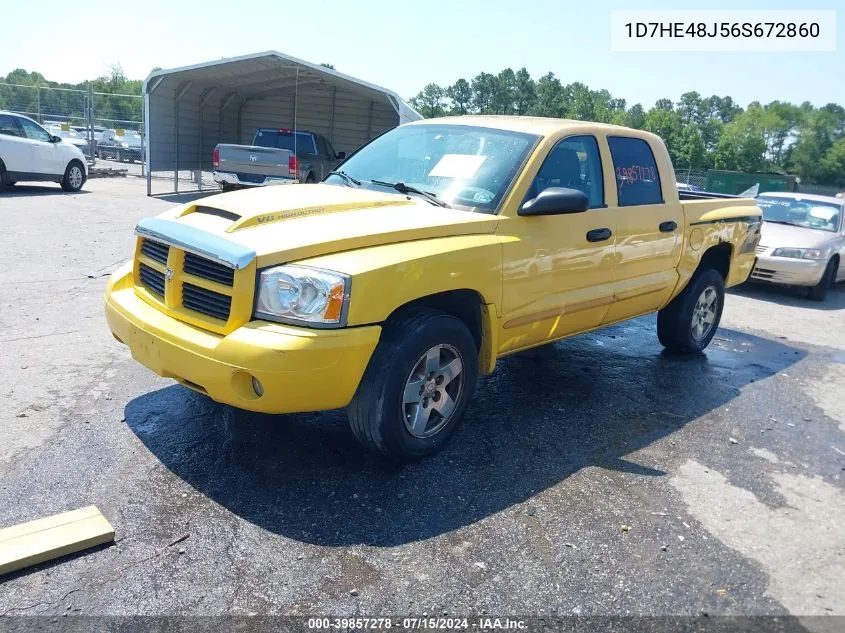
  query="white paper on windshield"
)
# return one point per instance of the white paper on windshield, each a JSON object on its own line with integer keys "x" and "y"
{"x": 824, "y": 213}
{"x": 457, "y": 166}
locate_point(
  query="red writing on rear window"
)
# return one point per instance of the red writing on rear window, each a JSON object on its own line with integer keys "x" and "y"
{"x": 634, "y": 174}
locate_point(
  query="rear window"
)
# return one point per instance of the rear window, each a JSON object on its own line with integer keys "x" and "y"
{"x": 283, "y": 139}
{"x": 637, "y": 178}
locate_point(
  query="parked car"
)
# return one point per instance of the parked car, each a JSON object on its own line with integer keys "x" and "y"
{"x": 803, "y": 241}
{"x": 73, "y": 137}
{"x": 29, "y": 152}
{"x": 270, "y": 160}
{"x": 389, "y": 287}
{"x": 120, "y": 145}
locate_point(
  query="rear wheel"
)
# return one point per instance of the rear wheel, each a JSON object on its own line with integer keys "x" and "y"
{"x": 417, "y": 386}
{"x": 74, "y": 177}
{"x": 689, "y": 322}
{"x": 3, "y": 182}
{"x": 819, "y": 291}
{"x": 310, "y": 179}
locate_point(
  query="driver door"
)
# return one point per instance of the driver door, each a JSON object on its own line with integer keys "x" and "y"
{"x": 558, "y": 269}
{"x": 45, "y": 155}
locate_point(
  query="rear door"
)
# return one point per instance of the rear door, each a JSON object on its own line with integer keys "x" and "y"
{"x": 648, "y": 230}
{"x": 14, "y": 148}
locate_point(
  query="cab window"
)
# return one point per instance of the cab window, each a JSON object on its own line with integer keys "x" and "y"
{"x": 637, "y": 178}
{"x": 34, "y": 131}
{"x": 574, "y": 163}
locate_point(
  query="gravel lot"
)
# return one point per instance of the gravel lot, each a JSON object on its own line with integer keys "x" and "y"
{"x": 594, "y": 476}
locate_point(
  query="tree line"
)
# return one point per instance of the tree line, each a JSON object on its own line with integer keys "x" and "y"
{"x": 70, "y": 104}
{"x": 700, "y": 132}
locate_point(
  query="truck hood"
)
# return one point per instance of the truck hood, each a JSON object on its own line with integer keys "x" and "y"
{"x": 294, "y": 222}
{"x": 785, "y": 236}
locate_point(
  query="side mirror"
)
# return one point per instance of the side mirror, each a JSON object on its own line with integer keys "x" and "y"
{"x": 55, "y": 139}
{"x": 556, "y": 201}
{"x": 341, "y": 155}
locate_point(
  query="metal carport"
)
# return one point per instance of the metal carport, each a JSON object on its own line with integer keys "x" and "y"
{"x": 188, "y": 110}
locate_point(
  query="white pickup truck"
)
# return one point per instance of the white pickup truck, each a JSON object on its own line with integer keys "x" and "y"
{"x": 277, "y": 156}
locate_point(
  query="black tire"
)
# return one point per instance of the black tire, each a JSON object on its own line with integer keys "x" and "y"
{"x": 819, "y": 291}
{"x": 378, "y": 413}
{"x": 310, "y": 179}
{"x": 3, "y": 182}
{"x": 71, "y": 181}
{"x": 677, "y": 321}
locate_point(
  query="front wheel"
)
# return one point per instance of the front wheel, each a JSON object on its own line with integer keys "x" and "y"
{"x": 417, "y": 386}
{"x": 689, "y": 322}
{"x": 819, "y": 291}
{"x": 74, "y": 177}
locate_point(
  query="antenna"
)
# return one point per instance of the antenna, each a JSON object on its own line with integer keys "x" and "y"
{"x": 295, "y": 105}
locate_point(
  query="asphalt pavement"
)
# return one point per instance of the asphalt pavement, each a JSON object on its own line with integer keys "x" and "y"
{"x": 596, "y": 476}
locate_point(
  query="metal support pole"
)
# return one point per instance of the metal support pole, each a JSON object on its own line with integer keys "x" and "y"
{"x": 370, "y": 121}
{"x": 331, "y": 129}
{"x": 175, "y": 146}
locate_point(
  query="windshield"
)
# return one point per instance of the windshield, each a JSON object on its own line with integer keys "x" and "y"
{"x": 55, "y": 130}
{"x": 810, "y": 214}
{"x": 283, "y": 139}
{"x": 465, "y": 166}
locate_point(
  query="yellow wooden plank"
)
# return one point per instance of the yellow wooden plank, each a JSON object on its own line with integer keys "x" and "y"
{"x": 51, "y": 537}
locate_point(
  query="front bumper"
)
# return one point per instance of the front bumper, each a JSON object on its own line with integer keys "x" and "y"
{"x": 300, "y": 369}
{"x": 249, "y": 180}
{"x": 788, "y": 271}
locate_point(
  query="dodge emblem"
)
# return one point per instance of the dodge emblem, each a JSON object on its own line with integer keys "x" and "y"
{"x": 168, "y": 274}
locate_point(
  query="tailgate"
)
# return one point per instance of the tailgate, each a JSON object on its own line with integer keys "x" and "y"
{"x": 251, "y": 159}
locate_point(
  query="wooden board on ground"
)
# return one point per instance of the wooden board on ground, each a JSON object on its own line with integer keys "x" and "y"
{"x": 48, "y": 538}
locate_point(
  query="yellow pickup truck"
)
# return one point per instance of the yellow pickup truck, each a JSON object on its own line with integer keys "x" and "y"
{"x": 436, "y": 249}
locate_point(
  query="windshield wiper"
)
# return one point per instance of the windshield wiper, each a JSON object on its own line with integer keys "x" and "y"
{"x": 346, "y": 177}
{"x": 401, "y": 187}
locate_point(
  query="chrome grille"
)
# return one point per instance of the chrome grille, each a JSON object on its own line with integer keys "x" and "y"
{"x": 207, "y": 269}
{"x": 762, "y": 249}
{"x": 206, "y": 301}
{"x": 155, "y": 250}
{"x": 152, "y": 279}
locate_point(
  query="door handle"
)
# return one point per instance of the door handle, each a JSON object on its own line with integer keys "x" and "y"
{"x": 668, "y": 227}
{"x": 599, "y": 235}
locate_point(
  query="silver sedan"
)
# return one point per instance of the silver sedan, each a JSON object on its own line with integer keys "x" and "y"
{"x": 802, "y": 241}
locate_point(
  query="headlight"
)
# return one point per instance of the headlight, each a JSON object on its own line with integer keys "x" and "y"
{"x": 298, "y": 294}
{"x": 799, "y": 253}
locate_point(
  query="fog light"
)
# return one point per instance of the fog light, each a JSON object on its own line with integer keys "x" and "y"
{"x": 257, "y": 387}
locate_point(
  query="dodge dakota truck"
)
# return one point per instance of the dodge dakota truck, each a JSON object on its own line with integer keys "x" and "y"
{"x": 434, "y": 250}
{"x": 277, "y": 156}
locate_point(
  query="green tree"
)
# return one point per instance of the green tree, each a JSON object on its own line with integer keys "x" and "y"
{"x": 667, "y": 125}
{"x": 526, "y": 92}
{"x": 504, "y": 92}
{"x": 460, "y": 93}
{"x": 483, "y": 92}
{"x": 549, "y": 96}
{"x": 429, "y": 101}
{"x": 635, "y": 117}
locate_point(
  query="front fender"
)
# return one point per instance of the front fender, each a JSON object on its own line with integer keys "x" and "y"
{"x": 384, "y": 278}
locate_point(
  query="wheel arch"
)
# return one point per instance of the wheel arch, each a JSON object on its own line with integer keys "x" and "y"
{"x": 468, "y": 306}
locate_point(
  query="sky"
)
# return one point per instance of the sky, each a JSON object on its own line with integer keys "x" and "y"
{"x": 405, "y": 45}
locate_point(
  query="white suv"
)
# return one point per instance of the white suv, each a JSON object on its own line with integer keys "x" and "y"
{"x": 29, "y": 152}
